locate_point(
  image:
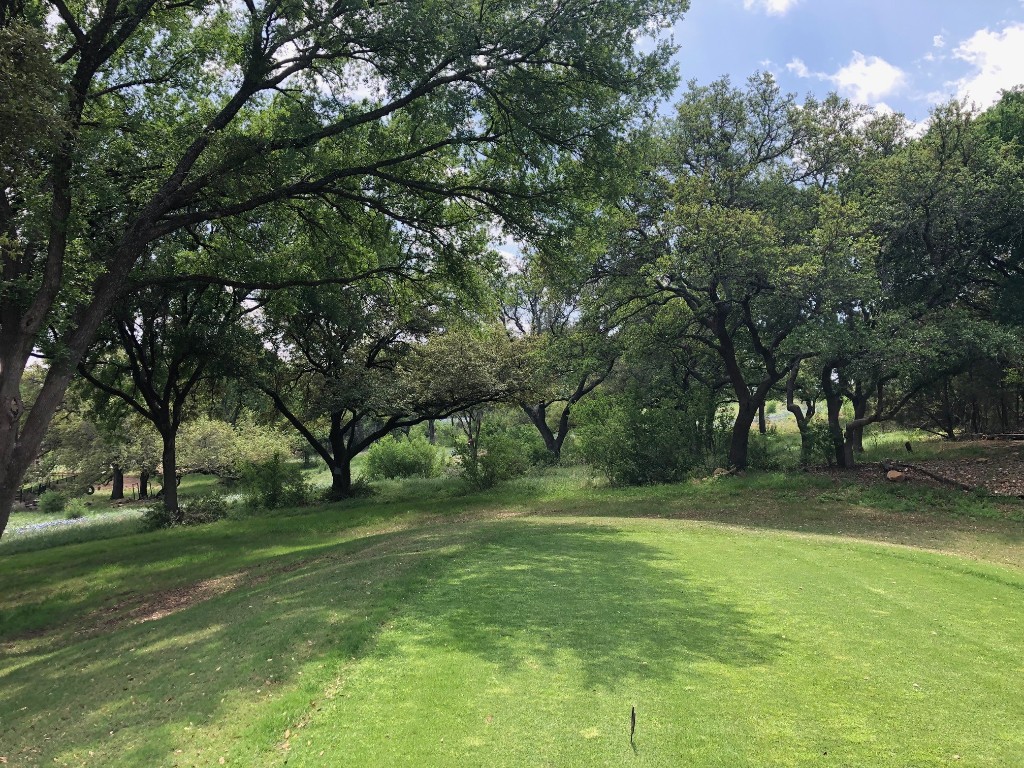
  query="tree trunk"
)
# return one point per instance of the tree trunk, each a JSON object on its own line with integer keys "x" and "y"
{"x": 431, "y": 432}
{"x": 833, "y": 405}
{"x": 850, "y": 446}
{"x": 117, "y": 484}
{"x": 860, "y": 409}
{"x": 341, "y": 478}
{"x": 8, "y": 494}
{"x": 552, "y": 441}
{"x": 739, "y": 444}
{"x": 762, "y": 423}
{"x": 10, "y": 417}
{"x": 143, "y": 484}
{"x": 170, "y": 468}
{"x": 803, "y": 423}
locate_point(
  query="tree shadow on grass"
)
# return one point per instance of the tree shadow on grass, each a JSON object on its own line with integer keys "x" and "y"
{"x": 533, "y": 592}
{"x": 510, "y": 593}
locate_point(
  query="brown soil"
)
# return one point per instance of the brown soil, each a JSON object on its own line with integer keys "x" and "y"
{"x": 1000, "y": 471}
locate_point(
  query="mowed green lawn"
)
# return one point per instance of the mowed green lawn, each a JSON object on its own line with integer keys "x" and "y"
{"x": 521, "y": 634}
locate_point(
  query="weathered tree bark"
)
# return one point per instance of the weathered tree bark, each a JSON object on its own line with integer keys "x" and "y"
{"x": 117, "y": 484}
{"x": 340, "y": 461}
{"x": 143, "y": 484}
{"x": 762, "y": 423}
{"x": 341, "y": 478}
{"x": 170, "y": 472}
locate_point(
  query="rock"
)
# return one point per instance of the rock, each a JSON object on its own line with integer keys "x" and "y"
{"x": 721, "y": 472}
{"x": 895, "y": 476}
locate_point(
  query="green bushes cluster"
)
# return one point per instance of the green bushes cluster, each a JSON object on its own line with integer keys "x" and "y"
{"x": 816, "y": 447}
{"x": 216, "y": 447}
{"x": 52, "y": 502}
{"x": 504, "y": 451}
{"x": 634, "y": 443}
{"x": 75, "y": 509}
{"x": 275, "y": 483}
{"x": 197, "y": 510}
{"x": 400, "y": 457}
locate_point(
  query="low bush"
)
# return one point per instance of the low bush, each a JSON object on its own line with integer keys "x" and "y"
{"x": 768, "y": 452}
{"x": 75, "y": 509}
{"x": 504, "y": 452}
{"x": 157, "y": 517}
{"x": 401, "y": 457}
{"x": 816, "y": 446}
{"x": 634, "y": 443}
{"x": 208, "y": 508}
{"x": 275, "y": 483}
{"x": 52, "y": 502}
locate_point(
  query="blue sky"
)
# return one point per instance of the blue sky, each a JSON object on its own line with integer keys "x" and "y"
{"x": 904, "y": 55}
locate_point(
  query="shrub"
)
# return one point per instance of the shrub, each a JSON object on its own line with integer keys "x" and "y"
{"x": 75, "y": 509}
{"x": 816, "y": 447}
{"x": 216, "y": 447}
{"x": 505, "y": 452}
{"x": 766, "y": 452}
{"x": 275, "y": 483}
{"x": 158, "y": 517}
{"x": 208, "y": 508}
{"x": 400, "y": 457}
{"x": 52, "y": 502}
{"x": 634, "y": 443}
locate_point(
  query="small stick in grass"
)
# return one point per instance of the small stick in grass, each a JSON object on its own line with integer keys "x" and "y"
{"x": 632, "y": 723}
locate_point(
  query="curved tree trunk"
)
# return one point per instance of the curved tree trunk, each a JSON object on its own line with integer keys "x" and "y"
{"x": 803, "y": 416}
{"x": 552, "y": 440}
{"x": 739, "y": 443}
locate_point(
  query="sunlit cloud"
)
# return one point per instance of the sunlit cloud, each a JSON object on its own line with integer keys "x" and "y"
{"x": 771, "y": 7}
{"x": 997, "y": 63}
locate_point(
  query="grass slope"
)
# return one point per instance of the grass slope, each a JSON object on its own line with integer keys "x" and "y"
{"x": 485, "y": 631}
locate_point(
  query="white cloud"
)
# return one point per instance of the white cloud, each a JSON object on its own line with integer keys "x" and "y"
{"x": 997, "y": 62}
{"x": 866, "y": 79}
{"x": 869, "y": 79}
{"x": 798, "y": 68}
{"x": 939, "y": 41}
{"x": 771, "y": 7}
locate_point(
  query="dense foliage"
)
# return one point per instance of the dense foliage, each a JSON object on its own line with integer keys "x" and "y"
{"x": 235, "y": 234}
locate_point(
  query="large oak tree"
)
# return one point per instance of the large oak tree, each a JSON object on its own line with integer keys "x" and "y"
{"x": 171, "y": 114}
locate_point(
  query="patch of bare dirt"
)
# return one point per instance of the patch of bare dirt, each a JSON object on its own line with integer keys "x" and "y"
{"x": 996, "y": 467}
{"x": 136, "y": 609}
{"x": 1000, "y": 471}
